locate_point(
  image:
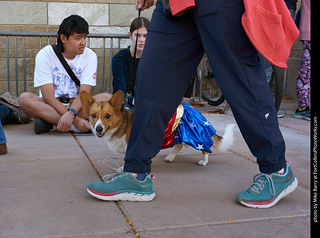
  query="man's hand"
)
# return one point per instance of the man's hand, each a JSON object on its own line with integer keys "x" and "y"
{"x": 67, "y": 119}
{"x": 144, "y": 4}
{"x": 65, "y": 122}
{"x": 81, "y": 124}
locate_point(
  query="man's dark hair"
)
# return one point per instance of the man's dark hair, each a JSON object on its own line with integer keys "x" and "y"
{"x": 70, "y": 25}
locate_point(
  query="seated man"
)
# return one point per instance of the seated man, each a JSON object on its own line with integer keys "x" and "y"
{"x": 49, "y": 109}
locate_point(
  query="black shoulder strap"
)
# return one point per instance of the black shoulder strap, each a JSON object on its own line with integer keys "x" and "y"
{"x": 65, "y": 65}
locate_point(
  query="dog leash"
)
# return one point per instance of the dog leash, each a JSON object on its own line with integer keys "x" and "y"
{"x": 132, "y": 79}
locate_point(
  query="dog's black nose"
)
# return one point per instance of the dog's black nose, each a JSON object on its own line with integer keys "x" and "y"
{"x": 99, "y": 128}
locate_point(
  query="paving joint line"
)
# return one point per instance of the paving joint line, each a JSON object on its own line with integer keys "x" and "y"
{"x": 95, "y": 167}
{"x": 231, "y": 222}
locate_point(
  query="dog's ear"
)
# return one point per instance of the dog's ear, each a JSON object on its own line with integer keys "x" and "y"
{"x": 86, "y": 101}
{"x": 117, "y": 100}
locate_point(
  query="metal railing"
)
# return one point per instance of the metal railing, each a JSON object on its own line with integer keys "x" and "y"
{"x": 113, "y": 44}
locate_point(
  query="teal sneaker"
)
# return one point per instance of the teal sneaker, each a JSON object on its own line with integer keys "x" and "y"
{"x": 302, "y": 113}
{"x": 307, "y": 115}
{"x": 123, "y": 187}
{"x": 268, "y": 189}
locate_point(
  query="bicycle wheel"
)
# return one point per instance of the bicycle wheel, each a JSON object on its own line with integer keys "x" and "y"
{"x": 213, "y": 96}
{"x": 275, "y": 84}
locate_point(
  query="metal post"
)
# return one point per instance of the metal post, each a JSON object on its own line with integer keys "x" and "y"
{"x": 110, "y": 69}
{"x": 24, "y": 65}
{"x": 8, "y": 63}
{"x": 16, "y": 65}
{"x": 103, "y": 63}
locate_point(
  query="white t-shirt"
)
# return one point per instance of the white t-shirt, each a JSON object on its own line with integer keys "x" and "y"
{"x": 48, "y": 69}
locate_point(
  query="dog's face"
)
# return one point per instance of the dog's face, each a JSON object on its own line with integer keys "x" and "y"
{"x": 103, "y": 116}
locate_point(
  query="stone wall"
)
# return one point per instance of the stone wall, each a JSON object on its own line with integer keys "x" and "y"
{"x": 103, "y": 16}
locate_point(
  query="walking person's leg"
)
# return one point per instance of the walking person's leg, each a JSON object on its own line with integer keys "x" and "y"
{"x": 303, "y": 83}
{"x": 170, "y": 58}
{"x": 168, "y": 62}
{"x": 243, "y": 82}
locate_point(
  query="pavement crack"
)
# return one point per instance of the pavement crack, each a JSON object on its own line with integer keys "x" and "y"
{"x": 127, "y": 220}
{"x": 95, "y": 167}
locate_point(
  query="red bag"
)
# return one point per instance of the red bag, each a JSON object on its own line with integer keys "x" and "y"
{"x": 270, "y": 28}
{"x": 178, "y": 6}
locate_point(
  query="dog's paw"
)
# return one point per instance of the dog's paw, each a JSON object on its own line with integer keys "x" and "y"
{"x": 169, "y": 158}
{"x": 202, "y": 162}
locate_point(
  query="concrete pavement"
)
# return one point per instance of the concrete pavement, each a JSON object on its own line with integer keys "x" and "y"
{"x": 43, "y": 180}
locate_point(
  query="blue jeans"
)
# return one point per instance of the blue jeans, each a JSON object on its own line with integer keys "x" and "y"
{"x": 4, "y": 112}
{"x": 2, "y": 136}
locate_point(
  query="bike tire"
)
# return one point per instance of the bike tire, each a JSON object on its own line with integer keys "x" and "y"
{"x": 211, "y": 101}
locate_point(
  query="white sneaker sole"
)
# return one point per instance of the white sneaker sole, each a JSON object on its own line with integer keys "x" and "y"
{"x": 267, "y": 204}
{"x": 302, "y": 117}
{"x": 132, "y": 197}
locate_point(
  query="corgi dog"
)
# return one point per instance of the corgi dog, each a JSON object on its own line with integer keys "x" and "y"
{"x": 108, "y": 120}
{"x": 113, "y": 123}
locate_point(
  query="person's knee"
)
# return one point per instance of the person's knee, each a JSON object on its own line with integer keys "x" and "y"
{"x": 26, "y": 100}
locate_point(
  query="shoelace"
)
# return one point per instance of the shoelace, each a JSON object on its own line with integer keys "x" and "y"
{"x": 258, "y": 183}
{"x": 117, "y": 171}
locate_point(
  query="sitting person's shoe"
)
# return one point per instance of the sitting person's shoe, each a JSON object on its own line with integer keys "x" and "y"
{"x": 12, "y": 118}
{"x": 40, "y": 126}
{"x": 268, "y": 189}
{"x": 307, "y": 115}
{"x": 3, "y": 149}
{"x": 124, "y": 187}
{"x": 302, "y": 113}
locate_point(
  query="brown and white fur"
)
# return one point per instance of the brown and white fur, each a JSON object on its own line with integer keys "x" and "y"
{"x": 109, "y": 122}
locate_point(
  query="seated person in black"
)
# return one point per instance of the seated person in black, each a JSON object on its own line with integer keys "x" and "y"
{"x": 123, "y": 60}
